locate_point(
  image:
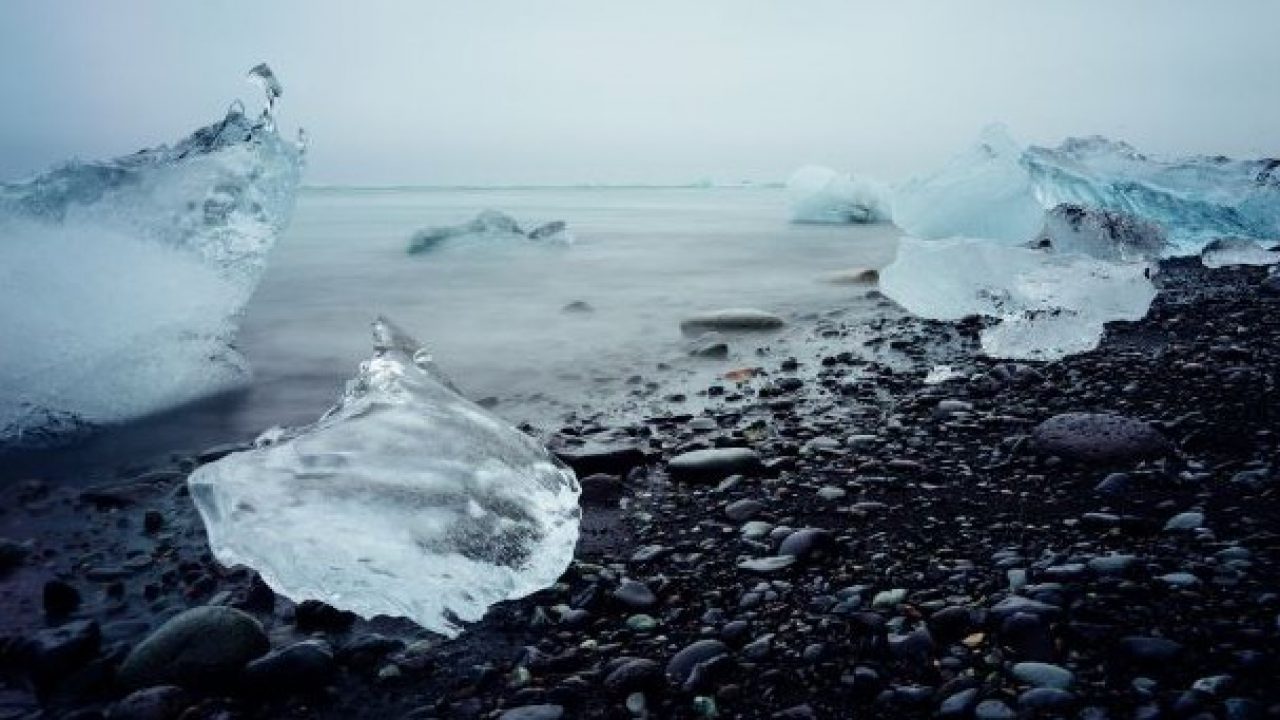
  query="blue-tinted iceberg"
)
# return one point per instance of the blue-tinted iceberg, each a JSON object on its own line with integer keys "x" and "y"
{"x": 405, "y": 499}
{"x": 489, "y": 226}
{"x": 822, "y": 195}
{"x": 1000, "y": 190}
{"x": 1046, "y": 305}
{"x": 1225, "y": 252}
{"x": 120, "y": 280}
{"x": 1102, "y": 234}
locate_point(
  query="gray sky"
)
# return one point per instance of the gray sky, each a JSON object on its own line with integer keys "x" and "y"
{"x": 515, "y": 91}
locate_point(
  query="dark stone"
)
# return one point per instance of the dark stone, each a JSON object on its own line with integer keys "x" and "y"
{"x": 635, "y": 595}
{"x": 1099, "y": 438}
{"x": 203, "y": 647}
{"x": 1027, "y": 636}
{"x": 595, "y": 458}
{"x": 313, "y": 615}
{"x": 163, "y": 702}
{"x": 534, "y": 712}
{"x": 1148, "y": 652}
{"x": 713, "y": 465}
{"x": 951, "y": 624}
{"x": 303, "y": 667}
{"x": 55, "y": 652}
{"x": 634, "y": 675}
{"x": 687, "y": 667}
{"x": 805, "y": 542}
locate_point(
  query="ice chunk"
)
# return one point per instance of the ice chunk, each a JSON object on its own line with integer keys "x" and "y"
{"x": 984, "y": 192}
{"x": 1103, "y": 234}
{"x": 1047, "y": 305}
{"x": 1195, "y": 199}
{"x": 262, "y": 76}
{"x": 405, "y": 499}
{"x": 999, "y": 190}
{"x": 489, "y": 225}
{"x": 1237, "y": 251}
{"x": 822, "y": 195}
{"x": 120, "y": 280}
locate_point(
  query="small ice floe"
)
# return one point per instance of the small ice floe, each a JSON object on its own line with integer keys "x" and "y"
{"x": 490, "y": 225}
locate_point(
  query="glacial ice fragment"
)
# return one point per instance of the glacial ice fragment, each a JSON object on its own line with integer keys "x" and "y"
{"x": 1047, "y": 305}
{"x": 1102, "y": 234}
{"x": 822, "y": 195}
{"x": 999, "y": 190}
{"x": 489, "y": 225}
{"x": 984, "y": 192}
{"x": 120, "y": 280}
{"x": 1237, "y": 251}
{"x": 404, "y": 499}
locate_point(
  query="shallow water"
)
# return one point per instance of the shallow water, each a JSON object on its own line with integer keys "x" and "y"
{"x": 492, "y": 312}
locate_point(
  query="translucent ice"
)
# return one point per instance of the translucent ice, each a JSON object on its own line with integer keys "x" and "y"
{"x": 1047, "y": 305}
{"x": 984, "y": 192}
{"x": 404, "y": 499}
{"x": 1000, "y": 190}
{"x": 1237, "y": 251}
{"x": 822, "y": 195}
{"x": 120, "y": 280}
{"x": 489, "y": 225}
{"x": 1103, "y": 234}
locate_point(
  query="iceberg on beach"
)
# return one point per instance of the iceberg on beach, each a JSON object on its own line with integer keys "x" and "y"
{"x": 1046, "y": 305}
{"x": 489, "y": 225}
{"x": 822, "y": 195}
{"x": 120, "y": 280}
{"x": 404, "y": 499}
{"x": 1000, "y": 190}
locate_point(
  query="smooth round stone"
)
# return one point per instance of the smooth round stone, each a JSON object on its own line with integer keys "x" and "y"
{"x": 756, "y": 529}
{"x": 889, "y": 598}
{"x": 1185, "y": 521}
{"x": 1109, "y": 565}
{"x": 830, "y": 492}
{"x": 637, "y": 674}
{"x": 994, "y": 710}
{"x": 683, "y": 664}
{"x": 1046, "y": 699}
{"x": 635, "y": 595}
{"x": 202, "y": 646}
{"x": 765, "y": 566}
{"x": 1046, "y": 675}
{"x": 641, "y": 623}
{"x": 734, "y": 319}
{"x": 712, "y": 465}
{"x": 534, "y": 712}
{"x": 743, "y": 510}
{"x": 1099, "y": 438}
{"x": 804, "y": 542}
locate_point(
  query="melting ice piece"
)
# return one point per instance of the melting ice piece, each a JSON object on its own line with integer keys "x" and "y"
{"x": 262, "y": 76}
{"x": 120, "y": 280}
{"x": 405, "y": 499}
{"x": 1048, "y": 305}
{"x": 489, "y": 225}
{"x": 1103, "y": 234}
{"x": 1237, "y": 251}
{"x": 984, "y": 192}
{"x": 822, "y": 195}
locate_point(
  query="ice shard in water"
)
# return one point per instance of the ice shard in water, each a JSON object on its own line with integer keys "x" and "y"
{"x": 405, "y": 499}
{"x": 121, "y": 280}
{"x": 489, "y": 226}
{"x": 822, "y": 195}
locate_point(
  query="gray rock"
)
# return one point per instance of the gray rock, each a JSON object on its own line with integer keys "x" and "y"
{"x": 634, "y": 675}
{"x": 1185, "y": 521}
{"x": 686, "y": 667}
{"x": 736, "y": 319}
{"x": 302, "y": 667}
{"x": 1043, "y": 674}
{"x": 994, "y": 710}
{"x": 635, "y": 595}
{"x": 805, "y": 542}
{"x": 163, "y": 702}
{"x": 765, "y": 566}
{"x": 741, "y": 510}
{"x": 1099, "y": 438}
{"x": 202, "y": 647}
{"x": 712, "y": 465}
{"x": 1046, "y": 700}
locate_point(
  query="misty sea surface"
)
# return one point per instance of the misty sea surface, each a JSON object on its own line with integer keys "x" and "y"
{"x": 492, "y": 313}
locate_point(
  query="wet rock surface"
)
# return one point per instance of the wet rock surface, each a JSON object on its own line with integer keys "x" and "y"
{"x": 890, "y": 549}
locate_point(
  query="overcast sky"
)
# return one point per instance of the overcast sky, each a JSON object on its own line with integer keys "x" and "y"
{"x": 517, "y": 91}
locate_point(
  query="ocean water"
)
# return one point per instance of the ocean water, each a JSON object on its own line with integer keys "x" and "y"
{"x": 492, "y": 313}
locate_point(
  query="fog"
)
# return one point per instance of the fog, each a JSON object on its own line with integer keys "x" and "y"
{"x": 571, "y": 91}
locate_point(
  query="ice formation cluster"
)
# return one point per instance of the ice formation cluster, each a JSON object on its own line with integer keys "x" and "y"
{"x": 489, "y": 225}
{"x": 822, "y": 195}
{"x": 1054, "y": 242}
{"x": 404, "y": 499}
{"x": 120, "y": 280}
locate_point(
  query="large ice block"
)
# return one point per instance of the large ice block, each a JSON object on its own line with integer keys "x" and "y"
{"x": 405, "y": 499}
{"x": 121, "y": 280}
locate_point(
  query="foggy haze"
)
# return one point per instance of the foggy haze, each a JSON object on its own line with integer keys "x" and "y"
{"x": 562, "y": 92}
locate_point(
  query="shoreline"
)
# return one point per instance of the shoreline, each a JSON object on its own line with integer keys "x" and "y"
{"x": 931, "y": 490}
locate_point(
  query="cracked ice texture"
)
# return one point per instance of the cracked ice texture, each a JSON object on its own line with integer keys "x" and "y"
{"x": 405, "y": 499}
